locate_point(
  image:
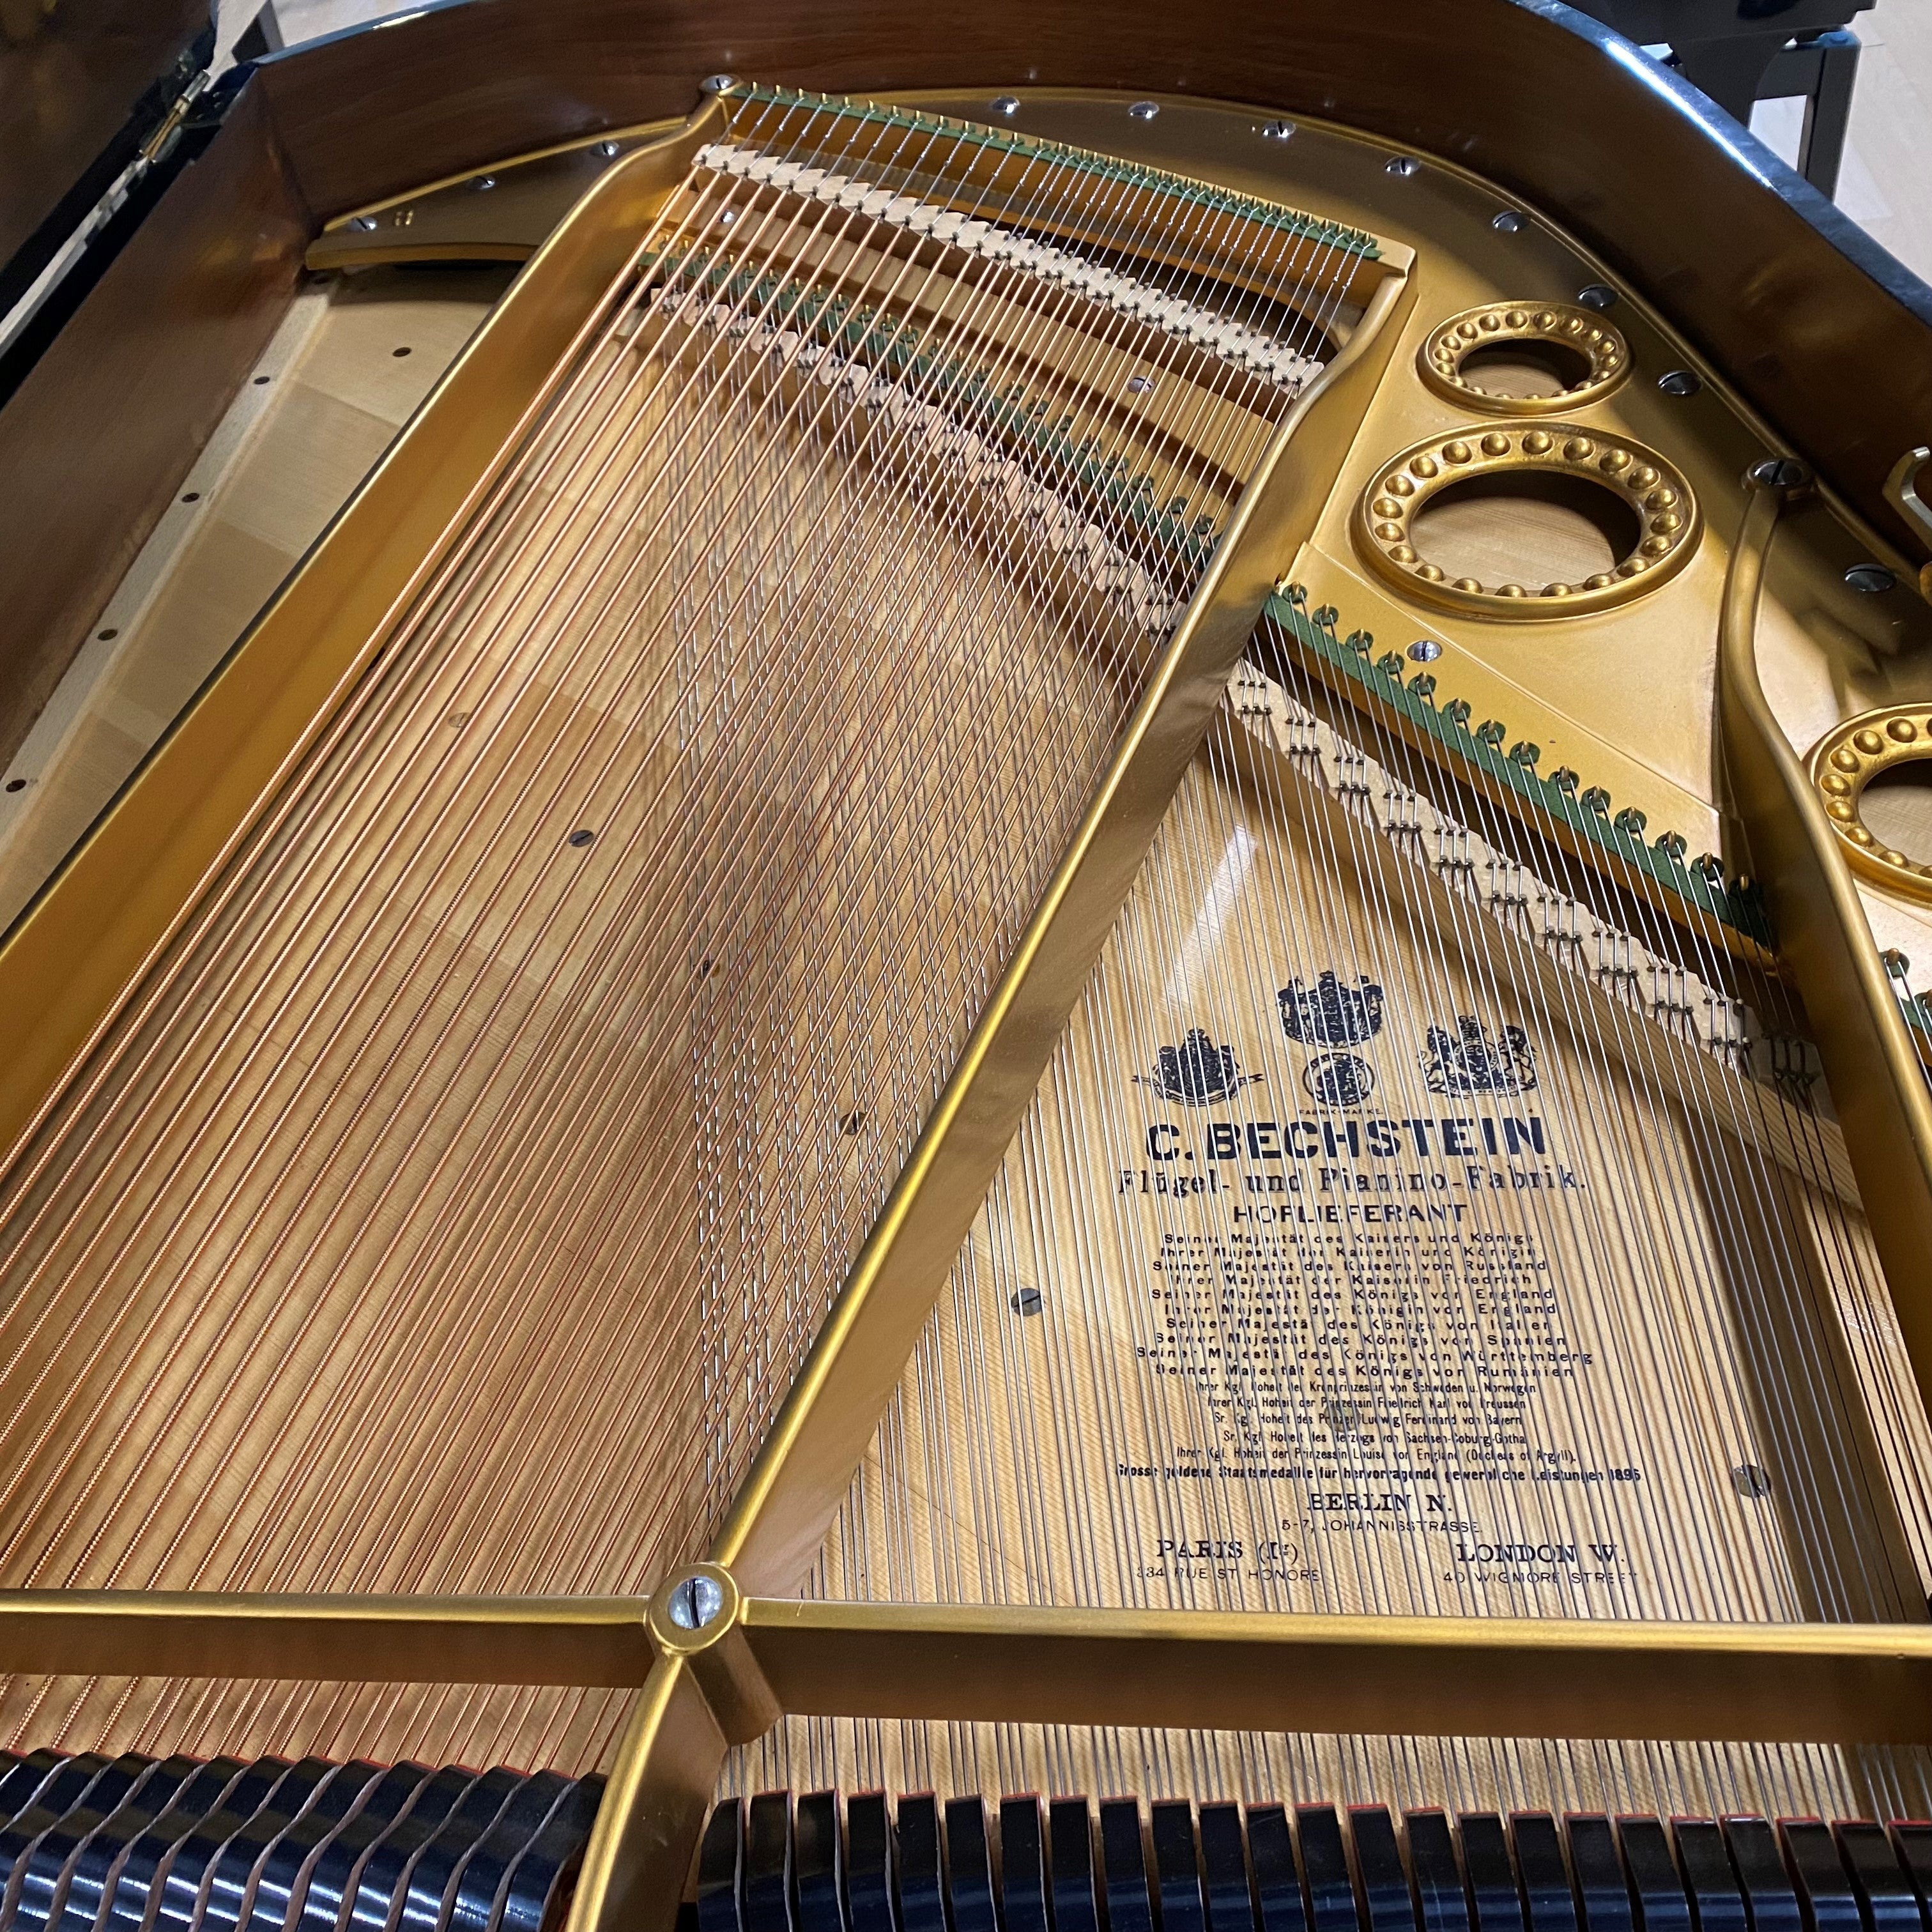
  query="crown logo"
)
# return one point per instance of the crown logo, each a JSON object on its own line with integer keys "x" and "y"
{"x": 1470, "y": 1061}
{"x": 1330, "y": 1014}
{"x": 1196, "y": 1073}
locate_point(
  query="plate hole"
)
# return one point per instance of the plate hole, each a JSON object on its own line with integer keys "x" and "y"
{"x": 399, "y": 352}
{"x": 1527, "y": 528}
{"x": 16, "y": 784}
{"x": 1896, "y": 805}
{"x": 1528, "y": 367}
{"x": 108, "y": 636}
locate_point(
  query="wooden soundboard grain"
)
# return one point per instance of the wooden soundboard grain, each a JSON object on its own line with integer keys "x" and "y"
{"x": 1070, "y": 1430}
{"x": 325, "y": 401}
{"x": 455, "y": 1216}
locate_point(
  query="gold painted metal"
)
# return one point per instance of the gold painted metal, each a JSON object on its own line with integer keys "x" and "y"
{"x": 460, "y": 220}
{"x": 698, "y": 1615}
{"x": 69, "y": 960}
{"x": 1844, "y": 761}
{"x": 1911, "y": 475}
{"x": 1824, "y": 942}
{"x": 1441, "y": 358}
{"x": 1436, "y": 1676}
{"x": 1654, "y": 490}
{"x": 655, "y": 1799}
{"x": 805, "y": 1467}
{"x": 576, "y": 1640}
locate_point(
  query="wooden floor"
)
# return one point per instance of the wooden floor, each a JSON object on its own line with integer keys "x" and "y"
{"x": 1886, "y": 187}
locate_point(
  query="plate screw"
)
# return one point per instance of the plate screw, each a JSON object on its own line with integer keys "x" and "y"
{"x": 364, "y": 224}
{"x": 1508, "y": 223}
{"x": 608, "y": 149}
{"x": 1026, "y": 1302}
{"x": 484, "y": 183}
{"x": 1007, "y": 103}
{"x": 1597, "y": 295}
{"x": 1425, "y": 650}
{"x": 1277, "y": 130}
{"x": 1781, "y": 472}
{"x": 1144, "y": 110}
{"x": 1871, "y": 578}
{"x": 718, "y": 83}
{"x": 1751, "y": 1481}
{"x": 1680, "y": 383}
{"x": 1405, "y": 165}
{"x": 695, "y": 1601}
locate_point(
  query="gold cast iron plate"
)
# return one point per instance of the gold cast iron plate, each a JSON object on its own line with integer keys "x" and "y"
{"x": 1845, "y": 761}
{"x": 1445, "y": 350}
{"x": 1666, "y": 512}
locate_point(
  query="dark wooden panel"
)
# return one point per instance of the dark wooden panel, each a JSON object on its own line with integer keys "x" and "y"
{"x": 69, "y": 79}
{"x": 1825, "y": 333}
{"x": 95, "y": 440}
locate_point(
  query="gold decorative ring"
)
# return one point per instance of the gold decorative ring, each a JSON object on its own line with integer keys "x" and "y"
{"x": 1846, "y": 760}
{"x": 1604, "y": 355}
{"x": 1666, "y": 515}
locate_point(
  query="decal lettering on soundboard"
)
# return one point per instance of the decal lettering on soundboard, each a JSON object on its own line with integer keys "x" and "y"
{"x": 1353, "y": 1295}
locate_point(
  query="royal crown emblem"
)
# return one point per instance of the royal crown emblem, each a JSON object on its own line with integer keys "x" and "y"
{"x": 1338, "y": 1080}
{"x": 1330, "y": 1014}
{"x": 1468, "y": 1061}
{"x": 1196, "y": 1073}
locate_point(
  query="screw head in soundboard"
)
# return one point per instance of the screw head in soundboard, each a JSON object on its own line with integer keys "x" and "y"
{"x": 1751, "y": 1481}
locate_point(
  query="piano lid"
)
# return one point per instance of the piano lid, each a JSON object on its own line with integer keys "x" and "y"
{"x": 82, "y": 84}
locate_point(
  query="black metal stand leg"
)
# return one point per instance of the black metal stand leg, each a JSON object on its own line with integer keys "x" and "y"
{"x": 1730, "y": 71}
{"x": 1828, "y": 112}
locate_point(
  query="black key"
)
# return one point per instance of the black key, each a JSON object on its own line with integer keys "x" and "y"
{"x": 1715, "y": 1895}
{"x": 768, "y": 1863}
{"x": 1070, "y": 1844}
{"x": 1492, "y": 1886}
{"x": 922, "y": 1866}
{"x": 126, "y": 1907}
{"x": 385, "y": 1840}
{"x": 39, "y": 1874}
{"x": 969, "y": 1866}
{"x": 1602, "y": 1891}
{"x": 818, "y": 1863}
{"x": 97, "y": 1864}
{"x": 327, "y": 1874}
{"x": 1662, "y": 1902}
{"x": 1887, "y": 1892}
{"x": 1324, "y": 1864}
{"x": 1224, "y": 1870}
{"x": 195, "y": 1856}
{"x": 1124, "y": 1866}
{"x": 721, "y": 1868}
{"x": 475, "y": 1893}
{"x": 289, "y": 1861}
{"x": 869, "y": 1877}
{"x": 1438, "y": 1878}
{"x": 423, "y": 1897}
{"x": 226, "y": 1888}
{"x": 1546, "y": 1878}
{"x": 1023, "y": 1865}
{"x": 57, "y": 1794}
{"x": 1385, "y": 1892}
{"x": 1176, "y": 1870}
{"x": 1770, "y": 1898}
{"x": 1277, "y": 1876}
{"x": 1831, "y": 1899}
{"x": 530, "y": 1888}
